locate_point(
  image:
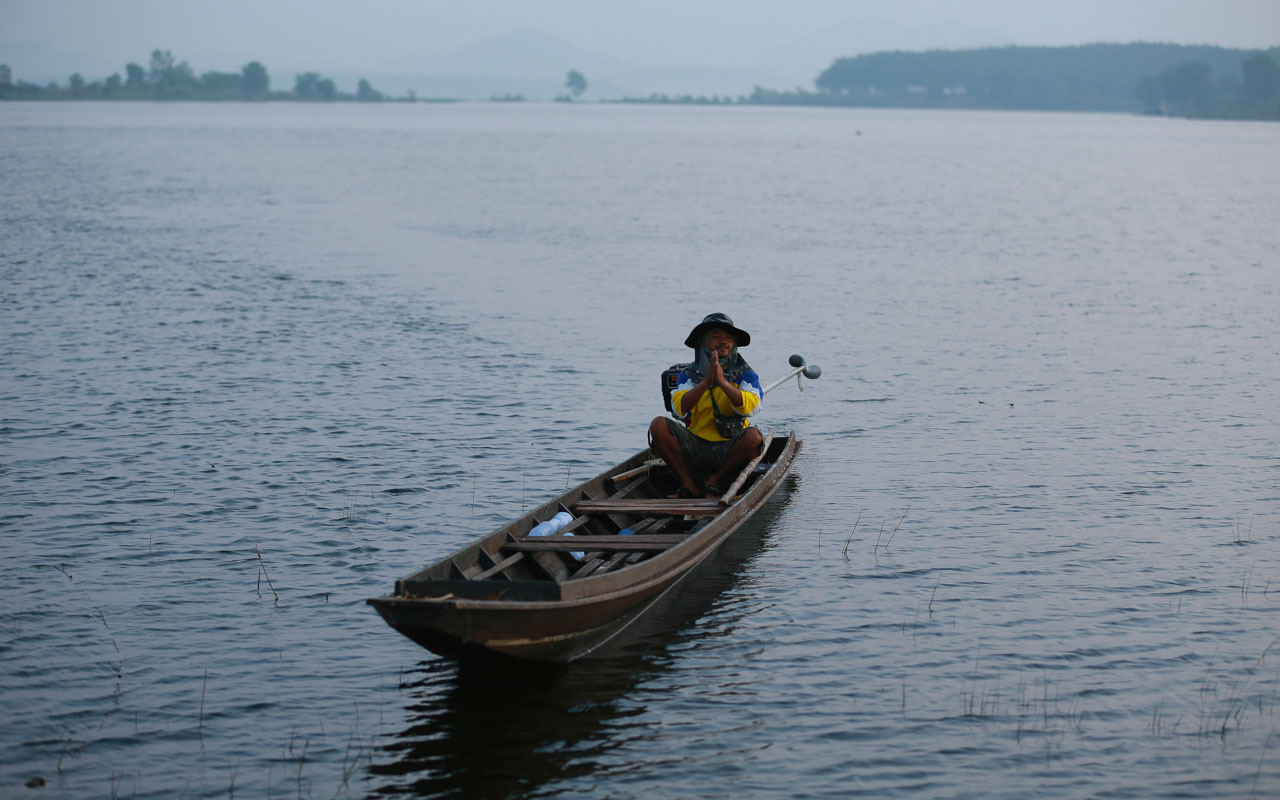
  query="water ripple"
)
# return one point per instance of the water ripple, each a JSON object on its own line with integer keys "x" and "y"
{"x": 261, "y": 362}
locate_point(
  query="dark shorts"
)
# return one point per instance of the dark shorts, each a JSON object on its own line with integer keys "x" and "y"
{"x": 701, "y": 456}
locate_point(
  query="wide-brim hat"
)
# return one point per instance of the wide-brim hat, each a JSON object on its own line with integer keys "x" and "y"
{"x": 717, "y": 320}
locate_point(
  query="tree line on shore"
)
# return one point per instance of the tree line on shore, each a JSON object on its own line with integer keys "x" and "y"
{"x": 1177, "y": 80}
{"x": 1197, "y": 81}
{"x": 1203, "y": 82}
{"x": 167, "y": 79}
{"x": 1190, "y": 90}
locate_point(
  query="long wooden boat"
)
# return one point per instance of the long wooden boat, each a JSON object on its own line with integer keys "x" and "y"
{"x": 559, "y": 597}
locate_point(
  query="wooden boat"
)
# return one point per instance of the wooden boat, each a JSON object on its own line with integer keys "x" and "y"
{"x": 559, "y": 597}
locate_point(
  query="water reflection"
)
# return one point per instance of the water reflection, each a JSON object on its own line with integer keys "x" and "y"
{"x": 506, "y": 728}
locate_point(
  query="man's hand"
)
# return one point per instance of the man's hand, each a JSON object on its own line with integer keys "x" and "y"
{"x": 714, "y": 377}
{"x": 715, "y": 374}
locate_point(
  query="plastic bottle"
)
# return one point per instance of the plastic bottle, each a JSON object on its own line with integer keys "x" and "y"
{"x": 578, "y": 554}
{"x": 626, "y": 532}
{"x": 553, "y": 525}
{"x": 542, "y": 529}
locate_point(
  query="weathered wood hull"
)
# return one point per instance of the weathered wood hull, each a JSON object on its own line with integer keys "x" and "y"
{"x": 544, "y": 614}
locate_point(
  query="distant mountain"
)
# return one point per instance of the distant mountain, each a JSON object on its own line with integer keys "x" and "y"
{"x": 519, "y": 54}
{"x": 534, "y": 64}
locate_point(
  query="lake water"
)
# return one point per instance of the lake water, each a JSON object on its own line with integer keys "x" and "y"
{"x": 259, "y": 361}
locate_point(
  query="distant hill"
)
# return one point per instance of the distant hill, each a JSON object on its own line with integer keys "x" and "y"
{"x": 1094, "y": 77}
{"x": 534, "y": 63}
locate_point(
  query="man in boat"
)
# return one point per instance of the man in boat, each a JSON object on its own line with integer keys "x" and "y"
{"x": 715, "y": 395}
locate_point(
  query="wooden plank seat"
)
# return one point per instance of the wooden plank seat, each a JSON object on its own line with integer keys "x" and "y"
{"x": 501, "y": 563}
{"x": 651, "y": 506}
{"x": 597, "y": 562}
{"x": 603, "y": 553}
{"x": 633, "y": 544}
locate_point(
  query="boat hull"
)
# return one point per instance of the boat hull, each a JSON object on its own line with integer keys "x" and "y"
{"x": 564, "y": 620}
{"x": 533, "y": 631}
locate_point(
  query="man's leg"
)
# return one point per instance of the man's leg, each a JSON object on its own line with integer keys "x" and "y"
{"x": 667, "y": 446}
{"x": 746, "y": 448}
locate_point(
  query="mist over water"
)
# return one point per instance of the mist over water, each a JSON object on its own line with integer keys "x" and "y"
{"x": 260, "y": 361}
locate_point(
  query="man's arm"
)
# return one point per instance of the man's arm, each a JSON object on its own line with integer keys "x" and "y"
{"x": 684, "y": 403}
{"x": 750, "y": 394}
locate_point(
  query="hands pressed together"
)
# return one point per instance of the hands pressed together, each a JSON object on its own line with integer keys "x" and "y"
{"x": 715, "y": 374}
{"x": 714, "y": 377}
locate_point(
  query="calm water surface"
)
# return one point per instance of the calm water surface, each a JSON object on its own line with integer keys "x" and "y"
{"x": 257, "y": 362}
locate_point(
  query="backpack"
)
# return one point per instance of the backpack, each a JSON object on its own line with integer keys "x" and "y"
{"x": 670, "y": 382}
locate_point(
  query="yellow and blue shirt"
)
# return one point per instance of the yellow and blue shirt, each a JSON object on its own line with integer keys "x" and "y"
{"x": 703, "y": 422}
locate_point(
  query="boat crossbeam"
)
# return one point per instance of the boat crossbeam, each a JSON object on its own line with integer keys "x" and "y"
{"x": 654, "y": 542}
{"x": 649, "y": 507}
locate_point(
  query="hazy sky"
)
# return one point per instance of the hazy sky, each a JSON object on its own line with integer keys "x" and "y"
{"x": 405, "y": 35}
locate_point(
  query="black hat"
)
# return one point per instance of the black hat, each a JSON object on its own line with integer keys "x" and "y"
{"x": 740, "y": 337}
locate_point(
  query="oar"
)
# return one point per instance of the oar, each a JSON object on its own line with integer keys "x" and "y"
{"x": 810, "y": 371}
{"x": 653, "y": 462}
{"x": 727, "y": 497}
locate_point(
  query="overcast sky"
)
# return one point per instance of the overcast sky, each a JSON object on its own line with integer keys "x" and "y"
{"x": 407, "y": 35}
